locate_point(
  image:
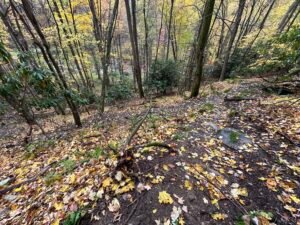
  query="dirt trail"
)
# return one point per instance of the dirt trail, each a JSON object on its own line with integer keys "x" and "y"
{"x": 215, "y": 184}
{"x": 203, "y": 182}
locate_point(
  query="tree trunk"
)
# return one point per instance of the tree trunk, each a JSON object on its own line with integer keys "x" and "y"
{"x": 232, "y": 37}
{"x": 169, "y": 28}
{"x": 131, "y": 19}
{"x": 287, "y": 16}
{"x": 147, "y": 60}
{"x": 160, "y": 29}
{"x": 62, "y": 82}
{"x": 104, "y": 50}
{"x": 202, "y": 40}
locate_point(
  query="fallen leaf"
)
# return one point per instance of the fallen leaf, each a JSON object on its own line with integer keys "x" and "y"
{"x": 58, "y": 206}
{"x": 165, "y": 198}
{"x": 219, "y": 216}
{"x": 114, "y": 206}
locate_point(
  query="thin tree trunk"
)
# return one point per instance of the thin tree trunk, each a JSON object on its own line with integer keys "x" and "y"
{"x": 131, "y": 19}
{"x": 147, "y": 61}
{"x": 170, "y": 27}
{"x": 202, "y": 40}
{"x": 63, "y": 84}
{"x": 160, "y": 29}
{"x": 232, "y": 37}
{"x": 287, "y": 16}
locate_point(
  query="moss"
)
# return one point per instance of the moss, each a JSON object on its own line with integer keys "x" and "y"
{"x": 68, "y": 165}
{"x": 234, "y": 137}
{"x": 52, "y": 177}
{"x": 207, "y": 107}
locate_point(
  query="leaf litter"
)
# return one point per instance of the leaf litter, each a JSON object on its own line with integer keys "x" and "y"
{"x": 203, "y": 180}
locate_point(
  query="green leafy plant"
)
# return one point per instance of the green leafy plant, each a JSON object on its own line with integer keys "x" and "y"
{"x": 52, "y": 177}
{"x": 269, "y": 54}
{"x": 73, "y": 218}
{"x": 122, "y": 90}
{"x": 68, "y": 165}
{"x": 163, "y": 75}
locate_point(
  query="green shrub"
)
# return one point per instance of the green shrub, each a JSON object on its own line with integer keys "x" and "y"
{"x": 163, "y": 75}
{"x": 122, "y": 90}
{"x": 269, "y": 54}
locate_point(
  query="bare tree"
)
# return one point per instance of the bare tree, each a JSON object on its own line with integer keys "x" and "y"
{"x": 233, "y": 32}
{"x": 47, "y": 54}
{"x": 202, "y": 40}
{"x": 288, "y": 16}
{"x": 104, "y": 43}
{"x": 131, "y": 19}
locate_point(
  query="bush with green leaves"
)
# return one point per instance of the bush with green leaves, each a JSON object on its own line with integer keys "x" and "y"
{"x": 280, "y": 52}
{"x": 163, "y": 76}
{"x": 121, "y": 90}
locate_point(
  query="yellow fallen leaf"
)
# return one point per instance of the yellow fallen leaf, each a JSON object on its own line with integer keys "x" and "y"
{"x": 107, "y": 182}
{"x": 236, "y": 192}
{"x": 219, "y": 216}
{"x": 271, "y": 184}
{"x": 56, "y": 222}
{"x": 188, "y": 185}
{"x": 72, "y": 178}
{"x": 165, "y": 167}
{"x": 18, "y": 189}
{"x": 290, "y": 208}
{"x": 181, "y": 221}
{"x": 295, "y": 199}
{"x": 129, "y": 187}
{"x": 165, "y": 198}
{"x": 64, "y": 188}
{"x": 157, "y": 180}
{"x": 58, "y": 206}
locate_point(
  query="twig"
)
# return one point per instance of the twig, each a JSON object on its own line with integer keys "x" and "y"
{"x": 92, "y": 136}
{"x": 236, "y": 203}
{"x": 132, "y": 211}
{"x": 287, "y": 138}
{"x": 135, "y": 130}
{"x": 34, "y": 178}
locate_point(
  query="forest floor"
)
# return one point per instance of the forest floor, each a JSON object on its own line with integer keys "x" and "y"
{"x": 224, "y": 160}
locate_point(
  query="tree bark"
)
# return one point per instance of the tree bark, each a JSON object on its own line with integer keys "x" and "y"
{"x": 287, "y": 16}
{"x": 232, "y": 37}
{"x": 104, "y": 49}
{"x": 202, "y": 40}
{"x": 160, "y": 29}
{"x": 169, "y": 28}
{"x": 28, "y": 9}
{"x": 131, "y": 19}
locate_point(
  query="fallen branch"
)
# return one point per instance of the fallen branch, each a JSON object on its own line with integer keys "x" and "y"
{"x": 34, "y": 178}
{"x": 154, "y": 144}
{"x": 133, "y": 210}
{"x": 135, "y": 130}
{"x": 125, "y": 154}
{"x": 236, "y": 99}
{"x": 288, "y": 139}
{"x": 227, "y": 196}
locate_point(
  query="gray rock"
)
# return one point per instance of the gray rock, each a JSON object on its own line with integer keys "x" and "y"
{"x": 233, "y": 138}
{"x": 10, "y": 198}
{"x": 5, "y": 181}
